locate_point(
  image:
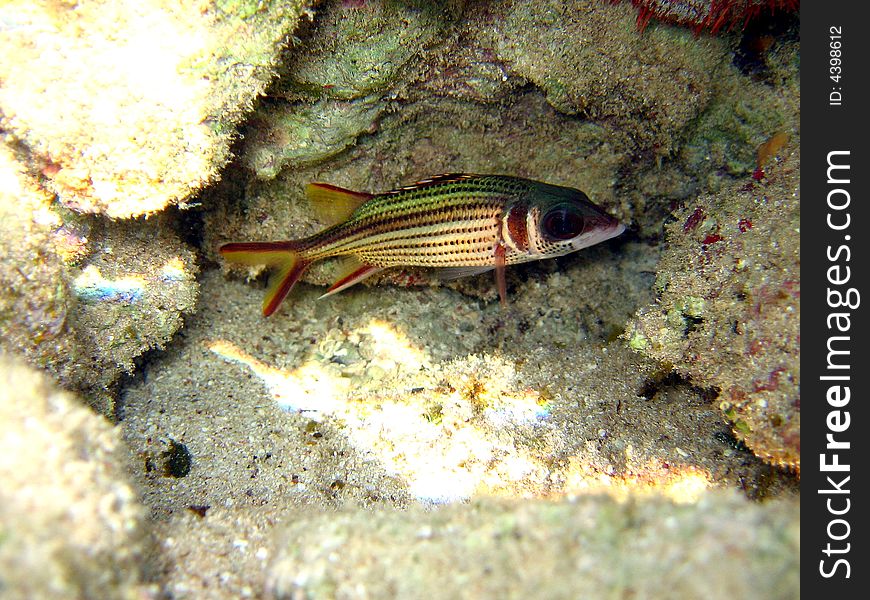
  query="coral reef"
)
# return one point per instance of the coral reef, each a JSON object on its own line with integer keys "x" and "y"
{"x": 723, "y": 141}
{"x": 711, "y": 15}
{"x": 71, "y": 525}
{"x": 127, "y": 107}
{"x": 456, "y": 106}
{"x": 99, "y": 295}
{"x": 728, "y": 309}
{"x": 132, "y": 291}
{"x": 361, "y": 49}
{"x": 464, "y": 104}
{"x": 605, "y": 73}
{"x": 647, "y": 388}
{"x": 35, "y": 295}
{"x": 623, "y": 82}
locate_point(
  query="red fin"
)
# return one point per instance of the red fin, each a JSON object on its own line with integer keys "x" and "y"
{"x": 354, "y": 271}
{"x": 257, "y": 253}
{"x": 500, "y": 279}
{"x": 280, "y": 284}
{"x": 333, "y": 204}
{"x": 274, "y": 254}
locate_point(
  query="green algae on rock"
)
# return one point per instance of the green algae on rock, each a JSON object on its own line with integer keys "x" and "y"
{"x": 588, "y": 60}
{"x": 742, "y": 115}
{"x": 728, "y": 312}
{"x": 336, "y": 83}
{"x": 361, "y": 48}
{"x": 128, "y": 107}
{"x": 71, "y": 525}
{"x": 282, "y": 134}
{"x": 444, "y": 102}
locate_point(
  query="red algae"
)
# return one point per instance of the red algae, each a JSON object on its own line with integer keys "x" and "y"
{"x": 708, "y": 15}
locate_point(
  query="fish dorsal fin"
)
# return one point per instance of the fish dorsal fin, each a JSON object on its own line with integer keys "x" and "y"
{"x": 333, "y": 204}
{"x": 434, "y": 180}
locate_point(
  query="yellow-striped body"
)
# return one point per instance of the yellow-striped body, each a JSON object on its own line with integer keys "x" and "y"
{"x": 447, "y": 225}
{"x": 472, "y": 222}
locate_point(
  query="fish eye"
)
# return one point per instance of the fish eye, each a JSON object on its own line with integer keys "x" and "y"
{"x": 563, "y": 222}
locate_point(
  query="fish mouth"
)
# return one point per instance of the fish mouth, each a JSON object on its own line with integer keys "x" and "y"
{"x": 618, "y": 229}
{"x": 602, "y": 230}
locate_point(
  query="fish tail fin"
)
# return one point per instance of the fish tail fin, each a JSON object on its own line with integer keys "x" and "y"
{"x": 282, "y": 256}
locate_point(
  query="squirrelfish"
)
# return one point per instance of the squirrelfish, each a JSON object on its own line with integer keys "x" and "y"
{"x": 462, "y": 224}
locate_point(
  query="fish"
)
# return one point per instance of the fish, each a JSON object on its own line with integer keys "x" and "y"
{"x": 462, "y": 224}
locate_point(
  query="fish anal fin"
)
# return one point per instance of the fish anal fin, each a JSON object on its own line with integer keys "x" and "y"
{"x": 352, "y": 272}
{"x": 333, "y": 204}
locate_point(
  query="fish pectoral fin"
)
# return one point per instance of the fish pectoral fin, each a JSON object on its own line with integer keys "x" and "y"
{"x": 451, "y": 273}
{"x": 332, "y": 204}
{"x": 500, "y": 276}
{"x": 353, "y": 271}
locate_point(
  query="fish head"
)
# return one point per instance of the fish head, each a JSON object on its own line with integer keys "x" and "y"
{"x": 560, "y": 220}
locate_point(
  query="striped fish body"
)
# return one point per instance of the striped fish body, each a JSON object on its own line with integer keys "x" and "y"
{"x": 463, "y": 224}
{"x": 443, "y": 222}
